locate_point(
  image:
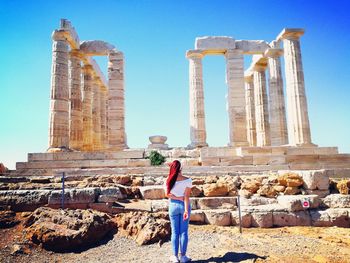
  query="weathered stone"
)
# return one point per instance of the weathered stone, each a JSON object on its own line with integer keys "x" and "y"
{"x": 251, "y": 186}
{"x": 262, "y": 219}
{"x": 215, "y": 189}
{"x": 279, "y": 188}
{"x": 343, "y": 186}
{"x": 3, "y": 169}
{"x": 144, "y": 228}
{"x": 74, "y": 196}
{"x": 257, "y": 200}
{"x": 197, "y": 216}
{"x": 295, "y": 202}
{"x": 246, "y": 219}
{"x": 159, "y": 205}
{"x": 339, "y": 217}
{"x": 96, "y": 48}
{"x": 216, "y": 203}
{"x": 252, "y": 46}
{"x": 319, "y": 193}
{"x": 268, "y": 208}
{"x": 218, "y": 217}
{"x": 292, "y": 190}
{"x": 320, "y": 218}
{"x": 196, "y": 191}
{"x": 8, "y": 219}
{"x": 290, "y": 179}
{"x": 337, "y": 201}
{"x": 67, "y": 230}
{"x": 152, "y": 192}
{"x": 24, "y": 200}
{"x": 220, "y": 43}
{"x": 211, "y": 179}
{"x": 315, "y": 179}
{"x": 267, "y": 190}
{"x": 110, "y": 194}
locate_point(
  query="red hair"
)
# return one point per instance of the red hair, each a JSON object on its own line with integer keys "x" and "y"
{"x": 175, "y": 168}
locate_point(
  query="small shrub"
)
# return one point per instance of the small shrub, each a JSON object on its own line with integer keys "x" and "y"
{"x": 156, "y": 158}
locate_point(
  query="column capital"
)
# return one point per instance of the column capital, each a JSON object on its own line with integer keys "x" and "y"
{"x": 248, "y": 78}
{"x": 233, "y": 52}
{"x": 192, "y": 54}
{"x": 59, "y": 35}
{"x": 291, "y": 33}
{"x": 273, "y": 52}
{"x": 115, "y": 55}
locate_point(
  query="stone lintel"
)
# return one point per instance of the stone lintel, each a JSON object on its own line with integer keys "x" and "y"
{"x": 97, "y": 70}
{"x": 72, "y": 36}
{"x": 273, "y": 52}
{"x": 259, "y": 63}
{"x": 291, "y": 33}
{"x": 96, "y": 48}
{"x": 76, "y": 54}
{"x": 252, "y": 46}
{"x": 194, "y": 54}
{"x": 215, "y": 43}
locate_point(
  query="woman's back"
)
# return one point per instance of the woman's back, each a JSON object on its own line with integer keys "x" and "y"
{"x": 180, "y": 187}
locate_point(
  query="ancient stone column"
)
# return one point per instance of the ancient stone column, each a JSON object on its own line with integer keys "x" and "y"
{"x": 87, "y": 108}
{"x": 96, "y": 114}
{"x": 198, "y": 133}
{"x": 278, "y": 123}
{"x": 103, "y": 108}
{"x": 59, "y": 108}
{"x": 236, "y": 97}
{"x": 116, "y": 109}
{"x": 298, "y": 117}
{"x": 250, "y": 110}
{"x": 261, "y": 106}
{"x": 76, "y": 105}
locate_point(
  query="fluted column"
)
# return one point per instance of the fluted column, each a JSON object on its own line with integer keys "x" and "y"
{"x": 236, "y": 98}
{"x": 116, "y": 109}
{"x": 96, "y": 114}
{"x": 59, "y": 108}
{"x": 298, "y": 117}
{"x": 76, "y": 108}
{"x": 198, "y": 133}
{"x": 261, "y": 106}
{"x": 87, "y": 108}
{"x": 103, "y": 114}
{"x": 278, "y": 123}
{"x": 250, "y": 110}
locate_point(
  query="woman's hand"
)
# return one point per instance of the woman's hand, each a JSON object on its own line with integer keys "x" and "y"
{"x": 185, "y": 215}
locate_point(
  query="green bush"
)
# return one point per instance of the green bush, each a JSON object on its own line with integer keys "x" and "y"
{"x": 156, "y": 158}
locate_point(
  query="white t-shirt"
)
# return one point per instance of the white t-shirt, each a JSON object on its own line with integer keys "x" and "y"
{"x": 180, "y": 187}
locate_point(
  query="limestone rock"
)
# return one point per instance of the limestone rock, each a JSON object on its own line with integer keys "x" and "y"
{"x": 245, "y": 217}
{"x": 144, "y": 228}
{"x": 215, "y": 189}
{"x": 67, "y": 230}
{"x": 216, "y": 203}
{"x": 257, "y": 200}
{"x": 343, "y": 187}
{"x": 218, "y": 217}
{"x": 8, "y": 219}
{"x": 262, "y": 219}
{"x": 152, "y": 192}
{"x": 74, "y": 196}
{"x": 337, "y": 201}
{"x": 290, "y": 179}
{"x": 339, "y": 217}
{"x": 196, "y": 191}
{"x": 110, "y": 194}
{"x": 279, "y": 188}
{"x": 214, "y": 43}
{"x": 295, "y": 202}
{"x": 267, "y": 190}
{"x": 251, "y": 186}
{"x": 24, "y": 200}
{"x": 315, "y": 179}
{"x": 96, "y": 47}
{"x": 211, "y": 179}
{"x": 159, "y": 205}
{"x": 252, "y": 46}
{"x": 137, "y": 181}
{"x": 197, "y": 216}
{"x": 320, "y": 218}
{"x": 300, "y": 218}
{"x": 292, "y": 190}
{"x": 198, "y": 181}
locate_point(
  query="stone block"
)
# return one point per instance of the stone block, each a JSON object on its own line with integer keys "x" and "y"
{"x": 312, "y": 150}
{"x": 257, "y": 200}
{"x": 319, "y": 193}
{"x": 218, "y": 217}
{"x": 74, "y": 196}
{"x": 204, "y": 203}
{"x": 236, "y": 160}
{"x": 294, "y": 202}
{"x": 337, "y": 201}
{"x": 320, "y": 218}
{"x": 218, "y": 152}
{"x": 314, "y": 179}
{"x": 214, "y": 43}
{"x": 152, "y": 192}
{"x": 246, "y": 219}
{"x": 110, "y": 194}
{"x": 159, "y": 205}
{"x": 252, "y": 46}
{"x": 284, "y": 219}
{"x": 270, "y": 208}
{"x": 197, "y": 216}
{"x": 210, "y": 161}
{"x": 255, "y": 151}
{"x": 24, "y": 200}
{"x": 339, "y": 217}
{"x": 262, "y": 219}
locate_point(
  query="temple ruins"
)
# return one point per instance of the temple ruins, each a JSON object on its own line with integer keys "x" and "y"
{"x": 87, "y": 115}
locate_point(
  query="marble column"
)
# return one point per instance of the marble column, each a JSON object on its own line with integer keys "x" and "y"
{"x": 298, "y": 117}
{"x": 103, "y": 108}
{"x": 278, "y": 123}
{"x": 87, "y": 108}
{"x": 236, "y": 98}
{"x": 261, "y": 106}
{"x": 198, "y": 133}
{"x": 250, "y": 110}
{"x": 59, "y": 108}
{"x": 76, "y": 108}
{"x": 96, "y": 114}
{"x": 116, "y": 108}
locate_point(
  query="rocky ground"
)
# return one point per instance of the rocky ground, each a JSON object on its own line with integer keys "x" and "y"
{"x": 207, "y": 244}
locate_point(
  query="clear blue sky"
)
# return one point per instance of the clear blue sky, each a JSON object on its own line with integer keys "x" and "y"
{"x": 154, "y": 36}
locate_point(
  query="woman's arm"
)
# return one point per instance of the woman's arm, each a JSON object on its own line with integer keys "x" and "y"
{"x": 187, "y": 202}
{"x": 171, "y": 196}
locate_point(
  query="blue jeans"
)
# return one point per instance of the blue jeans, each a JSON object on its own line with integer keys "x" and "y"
{"x": 179, "y": 227}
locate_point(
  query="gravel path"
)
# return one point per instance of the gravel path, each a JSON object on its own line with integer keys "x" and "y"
{"x": 212, "y": 244}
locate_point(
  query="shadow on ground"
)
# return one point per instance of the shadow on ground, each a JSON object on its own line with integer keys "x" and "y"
{"x": 230, "y": 257}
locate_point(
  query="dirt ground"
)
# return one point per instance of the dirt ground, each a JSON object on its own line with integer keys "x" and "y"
{"x": 207, "y": 244}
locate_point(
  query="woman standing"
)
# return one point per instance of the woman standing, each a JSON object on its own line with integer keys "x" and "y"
{"x": 178, "y": 189}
